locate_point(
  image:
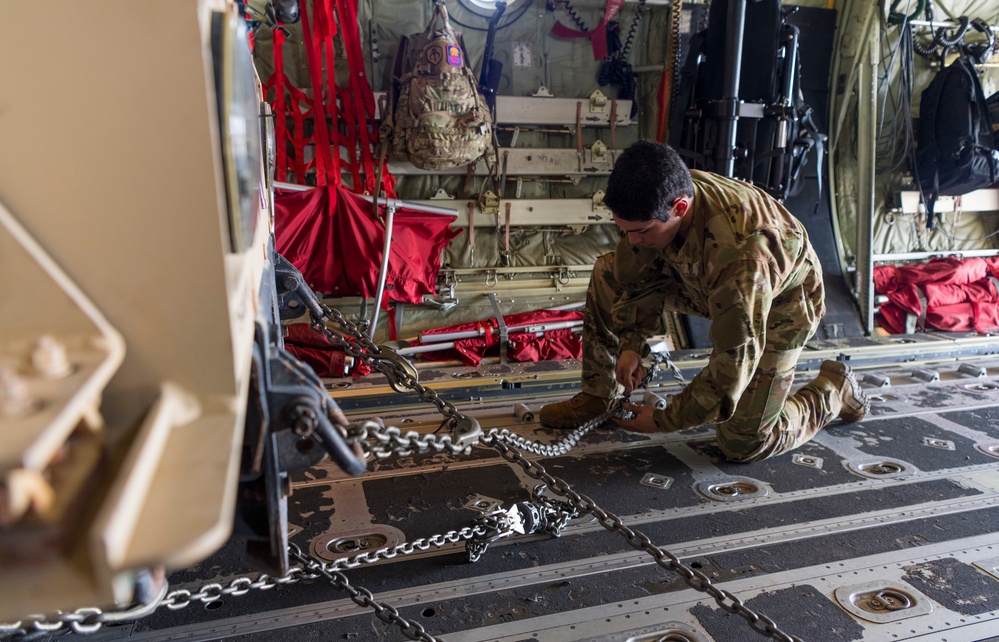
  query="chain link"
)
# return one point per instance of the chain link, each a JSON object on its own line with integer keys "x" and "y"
{"x": 400, "y": 377}
{"x": 361, "y": 596}
{"x": 385, "y": 441}
{"x": 90, "y": 619}
{"x": 81, "y": 621}
{"x": 477, "y": 531}
{"x": 182, "y": 598}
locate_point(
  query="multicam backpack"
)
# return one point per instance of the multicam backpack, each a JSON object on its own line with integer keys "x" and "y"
{"x": 439, "y": 119}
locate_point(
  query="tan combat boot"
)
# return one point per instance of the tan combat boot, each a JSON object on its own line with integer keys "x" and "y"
{"x": 855, "y": 404}
{"x": 574, "y": 412}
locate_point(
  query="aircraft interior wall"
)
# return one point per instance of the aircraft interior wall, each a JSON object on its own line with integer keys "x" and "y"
{"x": 896, "y": 232}
{"x": 534, "y": 63}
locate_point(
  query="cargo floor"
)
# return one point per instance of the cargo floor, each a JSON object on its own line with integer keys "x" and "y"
{"x": 879, "y": 531}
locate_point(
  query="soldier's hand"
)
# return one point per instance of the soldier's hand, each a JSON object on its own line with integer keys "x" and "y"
{"x": 643, "y": 421}
{"x": 630, "y": 371}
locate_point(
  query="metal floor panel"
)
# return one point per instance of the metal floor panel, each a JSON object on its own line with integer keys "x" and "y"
{"x": 831, "y": 541}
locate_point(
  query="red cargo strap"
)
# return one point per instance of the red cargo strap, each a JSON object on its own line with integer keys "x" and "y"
{"x": 362, "y": 102}
{"x": 353, "y": 127}
{"x": 663, "y": 100}
{"x": 279, "y": 109}
{"x": 322, "y": 139}
{"x": 327, "y": 28}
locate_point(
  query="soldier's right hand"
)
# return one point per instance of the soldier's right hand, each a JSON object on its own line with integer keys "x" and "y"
{"x": 630, "y": 371}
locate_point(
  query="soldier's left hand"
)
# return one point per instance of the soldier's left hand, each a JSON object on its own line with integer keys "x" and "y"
{"x": 643, "y": 421}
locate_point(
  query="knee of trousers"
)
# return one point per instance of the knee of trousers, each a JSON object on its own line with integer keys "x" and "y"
{"x": 743, "y": 441}
{"x": 750, "y": 458}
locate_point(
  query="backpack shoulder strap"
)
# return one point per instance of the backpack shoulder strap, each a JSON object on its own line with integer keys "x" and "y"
{"x": 983, "y": 119}
{"x": 399, "y": 68}
{"x": 927, "y": 149}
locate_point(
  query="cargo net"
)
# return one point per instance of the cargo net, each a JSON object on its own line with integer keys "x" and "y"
{"x": 325, "y": 130}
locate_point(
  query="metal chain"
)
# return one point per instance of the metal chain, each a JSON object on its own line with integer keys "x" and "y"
{"x": 386, "y": 441}
{"x": 694, "y": 578}
{"x": 90, "y": 620}
{"x": 81, "y": 621}
{"x": 395, "y": 369}
{"x": 504, "y": 442}
{"x": 362, "y": 596}
{"x": 486, "y": 530}
{"x": 479, "y": 530}
{"x": 496, "y": 439}
{"x": 182, "y": 598}
{"x": 558, "y": 448}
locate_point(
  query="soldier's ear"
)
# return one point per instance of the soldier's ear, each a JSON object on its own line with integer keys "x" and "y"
{"x": 680, "y": 206}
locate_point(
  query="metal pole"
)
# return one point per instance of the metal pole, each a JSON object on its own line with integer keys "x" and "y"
{"x": 867, "y": 111}
{"x": 734, "y": 31}
{"x": 938, "y": 254}
{"x": 945, "y": 24}
{"x": 387, "y": 202}
{"x": 780, "y": 141}
{"x": 471, "y": 334}
{"x": 418, "y": 207}
{"x": 383, "y": 272}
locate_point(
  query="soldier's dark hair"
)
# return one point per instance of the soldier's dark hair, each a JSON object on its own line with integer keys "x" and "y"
{"x": 646, "y": 179}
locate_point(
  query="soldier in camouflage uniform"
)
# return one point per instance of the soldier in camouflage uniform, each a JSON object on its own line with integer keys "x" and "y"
{"x": 719, "y": 248}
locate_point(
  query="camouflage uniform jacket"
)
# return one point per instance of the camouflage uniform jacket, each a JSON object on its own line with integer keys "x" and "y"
{"x": 742, "y": 253}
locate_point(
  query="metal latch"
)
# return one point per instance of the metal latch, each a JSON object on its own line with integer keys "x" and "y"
{"x": 489, "y": 203}
{"x": 442, "y": 195}
{"x": 598, "y": 152}
{"x": 598, "y": 202}
{"x": 450, "y": 281}
{"x": 598, "y": 102}
{"x": 562, "y": 278}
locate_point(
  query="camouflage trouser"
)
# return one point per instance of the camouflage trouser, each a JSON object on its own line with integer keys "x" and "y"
{"x": 767, "y": 421}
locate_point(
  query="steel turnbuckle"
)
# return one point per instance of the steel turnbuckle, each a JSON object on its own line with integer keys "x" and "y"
{"x": 543, "y": 515}
{"x": 494, "y": 526}
{"x": 549, "y": 515}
